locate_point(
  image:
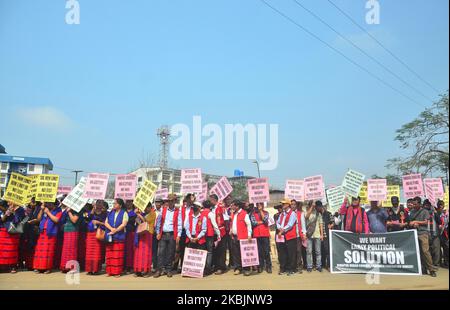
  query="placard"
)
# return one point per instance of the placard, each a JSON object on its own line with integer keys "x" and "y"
{"x": 75, "y": 200}
{"x": 249, "y": 253}
{"x": 258, "y": 190}
{"x": 314, "y": 188}
{"x": 191, "y": 181}
{"x": 194, "y": 263}
{"x": 145, "y": 195}
{"x": 377, "y": 189}
{"x": 47, "y": 187}
{"x": 295, "y": 189}
{"x": 18, "y": 189}
{"x": 335, "y": 198}
{"x": 412, "y": 186}
{"x": 222, "y": 188}
{"x": 96, "y": 185}
{"x": 352, "y": 182}
{"x": 125, "y": 187}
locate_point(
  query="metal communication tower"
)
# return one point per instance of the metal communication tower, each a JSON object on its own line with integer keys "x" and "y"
{"x": 164, "y": 140}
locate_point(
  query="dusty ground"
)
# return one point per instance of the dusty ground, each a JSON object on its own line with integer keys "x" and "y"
{"x": 312, "y": 281}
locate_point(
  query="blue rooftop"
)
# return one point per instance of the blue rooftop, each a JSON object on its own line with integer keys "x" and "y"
{"x": 5, "y": 158}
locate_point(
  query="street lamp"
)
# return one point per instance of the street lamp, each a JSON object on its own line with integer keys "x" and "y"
{"x": 76, "y": 175}
{"x": 257, "y": 165}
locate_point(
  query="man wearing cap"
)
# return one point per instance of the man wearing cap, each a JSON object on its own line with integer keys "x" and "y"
{"x": 261, "y": 231}
{"x": 241, "y": 229}
{"x": 155, "y": 242}
{"x": 195, "y": 227}
{"x": 212, "y": 229}
{"x": 185, "y": 211}
{"x": 168, "y": 228}
{"x": 287, "y": 236}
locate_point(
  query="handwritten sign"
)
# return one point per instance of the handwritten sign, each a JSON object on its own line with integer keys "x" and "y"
{"x": 436, "y": 185}
{"x": 295, "y": 189}
{"x": 145, "y": 195}
{"x": 412, "y": 185}
{"x": 314, "y": 188}
{"x": 75, "y": 200}
{"x": 194, "y": 263}
{"x": 392, "y": 191}
{"x": 377, "y": 189}
{"x": 258, "y": 190}
{"x": 249, "y": 253}
{"x": 191, "y": 181}
{"x": 363, "y": 195}
{"x": 162, "y": 194}
{"x": 222, "y": 188}
{"x": 429, "y": 193}
{"x": 18, "y": 189}
{"x": 47, "y": 187}
{"x": 96, "y": 185}
{"x": 64, "y": 190}
{"x": 335, "y": 198}
{"x": 204, "y": 194}
{"x": 352, "y": 182}
{"x": 446, "y": 198}
{"x": 125, "y": 187}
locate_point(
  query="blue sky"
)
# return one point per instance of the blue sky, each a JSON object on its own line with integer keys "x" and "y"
{"x": 91, "y": 96}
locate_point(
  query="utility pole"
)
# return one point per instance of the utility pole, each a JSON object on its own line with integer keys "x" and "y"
{"x": 76, "y": 175}
{"x": 257, "y": 165}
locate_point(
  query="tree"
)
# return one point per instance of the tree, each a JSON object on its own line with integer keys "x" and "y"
{"x": 426, "y": 137}
{"x": 390, "y": 178}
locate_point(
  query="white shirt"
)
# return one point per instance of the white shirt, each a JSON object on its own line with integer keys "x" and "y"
{"x": 212, "y": 217}
{"x": 247, "y": 222}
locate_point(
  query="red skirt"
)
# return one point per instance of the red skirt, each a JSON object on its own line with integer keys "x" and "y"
{"x": 143, "y": 253}
{"x": 115, "y": 256}
{"x": 94, "y": 253}
{"x": 69, "y": 249}
{"x": 82, "y": 249}
{"x": 129, "y": 252}
{"x": 9, "y": 248}
{"x": 44, "y": 252}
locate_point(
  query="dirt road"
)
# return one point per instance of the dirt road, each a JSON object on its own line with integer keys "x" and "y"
{"x": 228, "y": 281}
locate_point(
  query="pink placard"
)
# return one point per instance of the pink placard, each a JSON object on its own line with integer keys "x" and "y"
{"x": 249, "y": 253}
{"x": 64, "y": 190}
{"x": 194, "y": 263}
{"x": 191, "y": 181}
{"x": 314, "y": 188}
{"x": 412, "y": 185}
{"x": 377, "y": 189}
{"x": 295, "y": 189}
{"x": 222, "y": 188}
{"x": 436, "y": 184}
{"x": 204, "y": 194}
{"x": 96, "y": 185}
{"x": 271, "y": 220}
{"x": 162, "y": 193}
{"x": 258, "y": 190}
{"x": 429, "y": 193}
{"x": 125, "y": 186}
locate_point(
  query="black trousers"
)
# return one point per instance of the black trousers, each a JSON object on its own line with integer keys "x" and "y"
{"x": 325, "y": 250}
{"x": 282, "y": 255}
{"x": 264, "y": 252}
{"x": 444, "y": 245}
{"x": 179, "y": 254}
{"x": 209, "y": 258}
{"x": 196, "y": 246}
{"x": 219, "y": 256}
{"x": 299, "y": 254}
{"x": 237, "y": 254}
{"x": 291, "y": 263}
{"x": 155, "y": 243}
{"x": 229, "y": 248}
{"x": 166, "y": 252}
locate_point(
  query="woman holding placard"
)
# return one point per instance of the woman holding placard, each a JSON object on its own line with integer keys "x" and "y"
{"x": 143, "y": 241}
{"x": 115, "y": 237}
{"x": 94, "y": 244}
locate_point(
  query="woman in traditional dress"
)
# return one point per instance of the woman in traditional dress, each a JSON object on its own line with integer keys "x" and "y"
{"x": 94, "y": 247}
{"x": 44, "y": 254}
{"x": 115, "y": 236}
{"x": 71, "y": 221}
{"x": 143, "y": 241}
{"x": 129, "y": 242}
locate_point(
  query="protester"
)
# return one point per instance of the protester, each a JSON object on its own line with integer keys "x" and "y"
{"x": 325, "y": 247}
{"x": 155, "y": 242}
{"x": 279, "y": 209}
{"x": 228, "y": 244}
{"x": 217, "y": 215}
{"x": 287, "y": 236}
{"x": 168, "y": 228}
{"x": 71, "y": 225}
{"x": 143, "y": 241}
{"x": 314, "y": 233}
{"x": 11, "y": 214}
{"x": 94, "y": 246}
{"x": 398, "y": 215}
{"x": 115, "y": 235}
{"x": 130, "y": 230}
{"x": 419, "y": 220}
{"x": 44, "y": 254}
{"x": 443, "y": 231}
{"x": 297, "y": 207}
{"x": 378, "y": 218}
{"x": 241, "y": 229}
{"x": 30, "y": 235}
{"x": 185, "y": 211}
{"x": 212, "y": 229}
{"x": 196, "y": 226}
{"x": 355, "y": 219}
{"x": 433, "y": 227}
{"x": 260, "y": 223}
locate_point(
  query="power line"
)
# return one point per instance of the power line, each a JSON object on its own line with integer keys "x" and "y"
{"x": 342, "y": 54}
{"x": 384, "y": 47}
{"x": 362, "y": 51}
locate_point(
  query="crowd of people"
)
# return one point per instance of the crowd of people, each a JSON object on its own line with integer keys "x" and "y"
{"x": 50, "y": 236}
